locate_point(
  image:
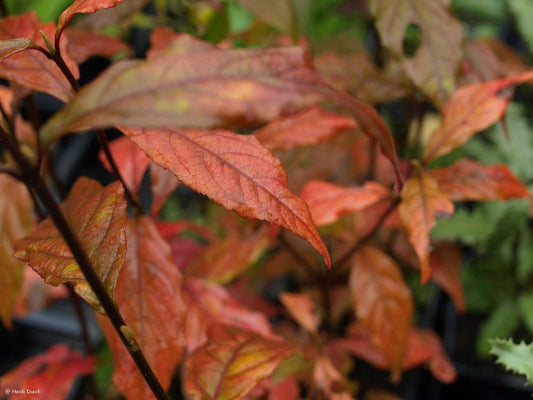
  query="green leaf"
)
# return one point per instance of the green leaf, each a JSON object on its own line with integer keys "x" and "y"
{"x": 502, "y": 322}
{"x": 525, "y": 256}
{"x": 467, "y": 227}
{"x": 525, "y": 301}
{"x": 515, "y": 357}
{"x": 522, "y": 11}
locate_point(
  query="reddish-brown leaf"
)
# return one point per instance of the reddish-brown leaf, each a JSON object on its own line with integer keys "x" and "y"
{"x": 31, "y": 68}
{"x": 213, "y": 88}
{"x": 85, "y": 44}
{"x": 424, "y": 346}
{"x": 226, "y": 259}
{"x": 98, "y": 218}
{"x": 130, "y": 160}
{"x": 209, "y": 304}
{"x": 469, "y": 180}
{"x": 302, "y": 309}
{"x": 326, "y": 377}
{"x": 376, "y": 394}
{"x": 16, "y": 208}
{"x": 288, "y": 389}
{"x": 149, "y": 296}
{"x": 46, "y": 376}
{"x": 328, "y": 202}
{"x": 382, "y": 302}
{"x": 235, "y": 171}
{"x": 82, "y": 7}
{"x": 469, "y": 110}
{"x": 163, "y": 184}
{"x": 163, "y": 37}
{"x": 422, "y": 202}
{"x": 307, "y": 127}
{"x": 445, "y": 260}
{"x": 231, "y": 364}
{"x": 13, "y": 46}
{"x": 434, "y": 65}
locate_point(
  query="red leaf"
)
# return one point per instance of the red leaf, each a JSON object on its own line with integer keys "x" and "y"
{"x": 421, "y": 202}
{"x": 16, "y": 208}
{"x": 32, "y": 69}
{"x": 226, "y": 259}
{"x": 149, "y": 297}
{"x": 85, "y": 44}
{"x": 163, "y": 184}
{"x": 468, "y": 180}
{"x": 231, "y": 364}
{"x": 445, "y": 260}
{"x": 329, "y": 202}
{"x": 233, "y": 170}
{"x": 424, "y": 346}
{"x": 130, "y": 159}
{"x": 98, "y": 218}
{"x": 326, "y": 377}
{"x": 382, "y": 302}
{"x": 213, "y": 88}
{"x": 469, "y": 110}
{"x": 209, "y": 304}
{"x": 307, "y": 127}
{"x": 82, "y": 7}
{"x": 302, "y": 309}
{"x": 47, "y": 376}
{"x": 287, "y": 389}
{"x": 164, "y": 37}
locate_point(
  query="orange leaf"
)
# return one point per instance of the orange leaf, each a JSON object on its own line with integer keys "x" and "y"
{"x": 16, "y": 208}
{"x": 163, "y": 184}
{"x": 224, "y": 260}
{"x": 46, "y": 376}
{"x": 307, "y": 127}
{"x": 445, "y": 260}
{"x": 214, "y": 88}
{"x": 382, "y": 302}
{"x": 231, "y": 364}
{"x": 235, "y": 171}
{"x": 130, "y": 160}
{"x": 421, "y": 202}
{"x": 329, "y": 202}
{"x": 183, "y": 43}
{"x": 98, "y": 218}
{"x": 326, "y": 377}
{"x": 469, "y": 110}
{"x": 468, "y": 180}
{"x": 287, "y": 389}
{"x": 32, "y": 69}
{"x": 302, "y": 309}
{"x": 82, "y": 7}
{"x": 210, "y": 304}
{"x": 85, "y": 44}
{"x": 148, "y": 294}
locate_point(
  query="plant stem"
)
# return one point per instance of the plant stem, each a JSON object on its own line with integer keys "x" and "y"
{"x": 105, "y": 148}
{"x": 31, "y": 176}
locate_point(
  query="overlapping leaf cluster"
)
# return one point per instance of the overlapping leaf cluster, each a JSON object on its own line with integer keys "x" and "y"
{"x": 319, "y": 165}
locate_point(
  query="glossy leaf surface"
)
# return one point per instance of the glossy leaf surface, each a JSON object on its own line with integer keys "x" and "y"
{"x": 97, "y": 216}
{"x": 308, "y": 127}
{"x": 31, "y": 68}
{"x": 382, "y": 302}
{"x": 435, "y": 62}
{"x": 148, "y": 294}
{"x": 204, "y": 89}
{"x": 302, "y": 309}
{"x": 52, "y": 374}
{"x": 82, "y": 7}
{"x": 16, "y": 221}
{"x": 328, "y": 202}
{"x": 468, "y": 180}
{"x": 469, "y": 110}
{"x": 235, "y": 171}
{"x": 422, "y": 202}
{"x": 231, "y": 364}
